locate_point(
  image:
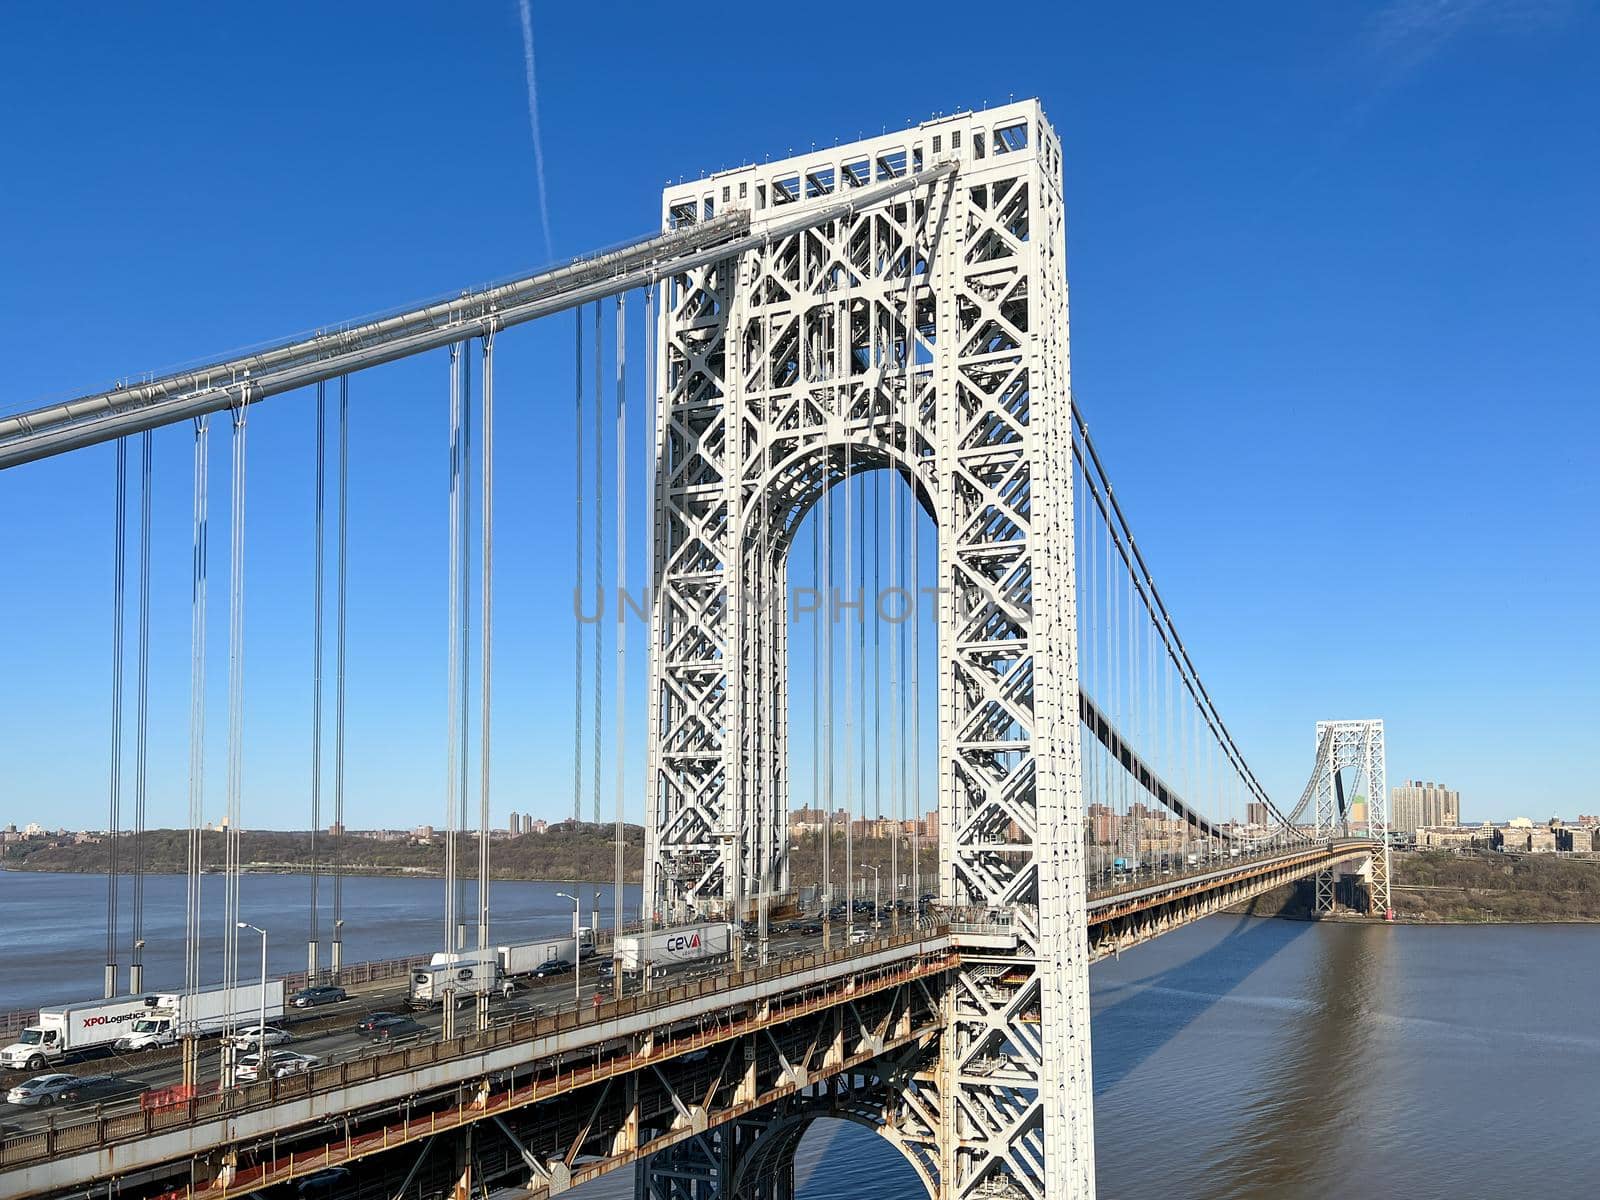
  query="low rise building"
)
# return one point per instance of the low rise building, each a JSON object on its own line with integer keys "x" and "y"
{"x": 1457, "y": 837}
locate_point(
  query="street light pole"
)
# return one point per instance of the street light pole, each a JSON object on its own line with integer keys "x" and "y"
{"x": 262, "y": 1072}
{"x": 877, "y": 876}
{"x": 577, "y": 952}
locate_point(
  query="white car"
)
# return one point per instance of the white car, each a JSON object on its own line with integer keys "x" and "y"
{"x": 250, "y": 1039}
{"x": 284, "y": 1062}
{"x": 41, "y": 1090}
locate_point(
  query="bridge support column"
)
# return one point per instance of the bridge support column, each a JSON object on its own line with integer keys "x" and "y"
{"x": 464, "y": 1185}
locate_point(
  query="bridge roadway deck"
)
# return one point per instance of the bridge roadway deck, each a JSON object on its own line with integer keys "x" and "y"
{"x": 586, "y": 1045}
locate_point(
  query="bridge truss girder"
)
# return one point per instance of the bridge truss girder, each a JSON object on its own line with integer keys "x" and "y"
{"x": 927, "y": 335}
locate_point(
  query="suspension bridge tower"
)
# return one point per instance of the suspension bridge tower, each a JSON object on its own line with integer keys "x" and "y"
{"x": 1350, "y": 764}
{"x": 924, "y": 335}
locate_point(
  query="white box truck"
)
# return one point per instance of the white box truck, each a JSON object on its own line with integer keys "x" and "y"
{"x": 204, "y": 1012}
{"x": 664, "y": 950}
{"x": 464, "y": 975}
{"x": 65, "y": 1030}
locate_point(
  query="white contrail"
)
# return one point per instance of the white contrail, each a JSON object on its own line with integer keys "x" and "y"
{"x": 533, "y": 120}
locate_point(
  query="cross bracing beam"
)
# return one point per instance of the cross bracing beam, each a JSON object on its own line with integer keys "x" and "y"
{"x": 231, "y": 383}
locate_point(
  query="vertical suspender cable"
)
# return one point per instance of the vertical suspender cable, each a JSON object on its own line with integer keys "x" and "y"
{"x": 622, "y": 591}
{"x": 141, "y": 756}
{"x": 313, "y": 937}
{"x": 235, "y": 707}
{"x": 119, "y": 571}
{"x": 914, "y": 535}
{"x": 464, "y": 646}
{"x": 599, "y": 567}
{"x": 652, "y": 414}
{"x": 486, "y": 645}
{"x": 197, "y": 701}
{"x": 825, "y": 533}
{"x": 337, "y": 959}
{"x": 197, "y": 729}
{"x": 816, "y": 712}
{"x": 849, "y": 690}
{"x": 452, "y": 660}
{"x": 861, "y": 647}
{"x": 877, "y": 478}
{"x": 577, "y": 589}
{"x": 599, "y": 578}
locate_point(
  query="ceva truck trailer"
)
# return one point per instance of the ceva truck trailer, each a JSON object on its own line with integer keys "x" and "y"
{"x": 663, "y": 950}
{"x": 174, "y": 1014}
{"x": 68, "y": 1029}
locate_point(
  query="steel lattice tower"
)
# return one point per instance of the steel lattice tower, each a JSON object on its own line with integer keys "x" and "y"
{"x": 1356, "y": 746}
{"x": 924, "y": 334}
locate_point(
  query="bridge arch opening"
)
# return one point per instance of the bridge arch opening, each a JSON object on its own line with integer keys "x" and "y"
{"x": 855, "y": 545}
{"x": 822, "y": 1156}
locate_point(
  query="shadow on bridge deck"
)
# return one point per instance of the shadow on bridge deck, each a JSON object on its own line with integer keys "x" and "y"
{"x": 1124, "y": 1012}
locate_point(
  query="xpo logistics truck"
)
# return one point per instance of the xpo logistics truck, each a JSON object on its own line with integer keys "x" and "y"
{"x": 665, "y": 950}
{"x": 64, "y": 1031}
{"x": 174, "y": 1014}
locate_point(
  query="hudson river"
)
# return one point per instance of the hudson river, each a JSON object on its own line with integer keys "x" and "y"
{"x": 1235, "y": 1058}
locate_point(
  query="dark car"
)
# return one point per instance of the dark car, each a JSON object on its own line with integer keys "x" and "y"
{"x": 372, "y": 1020}
{"x": 556, "y": 966}
{"x": 311, "y": 997}
{"x": 93, "y": 1089}
{"x": 398, "y": 1029}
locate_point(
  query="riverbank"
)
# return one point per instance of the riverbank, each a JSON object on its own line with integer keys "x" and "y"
{"x": 579, "y": 852}
{"x": 1432, "y": 887}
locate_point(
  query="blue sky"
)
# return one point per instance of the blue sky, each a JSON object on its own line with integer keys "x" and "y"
{"x": 1334, "y": 320}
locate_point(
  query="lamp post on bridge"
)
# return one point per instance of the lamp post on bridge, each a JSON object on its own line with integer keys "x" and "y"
{"x": 877, "y": 877}
{"x": 262, "y": 1070}
{"x": 577, "y": 952}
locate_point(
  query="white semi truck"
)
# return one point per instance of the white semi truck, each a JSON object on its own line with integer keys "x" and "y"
{"x": 66, "y": 1030}
{"x": 464, "y": 975}
{"x": 664, "y": 950}
{"x": 174, "y": 1014}
{"x": 527, "y": 957}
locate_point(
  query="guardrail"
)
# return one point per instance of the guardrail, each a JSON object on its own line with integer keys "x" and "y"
{"x": 171, "y": 1111}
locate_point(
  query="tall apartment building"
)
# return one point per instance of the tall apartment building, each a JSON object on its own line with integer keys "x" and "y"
{"x": 1417, "y": 805}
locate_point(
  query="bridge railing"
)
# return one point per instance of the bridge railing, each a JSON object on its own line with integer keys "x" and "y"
{"x": 154, "y": 1116}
